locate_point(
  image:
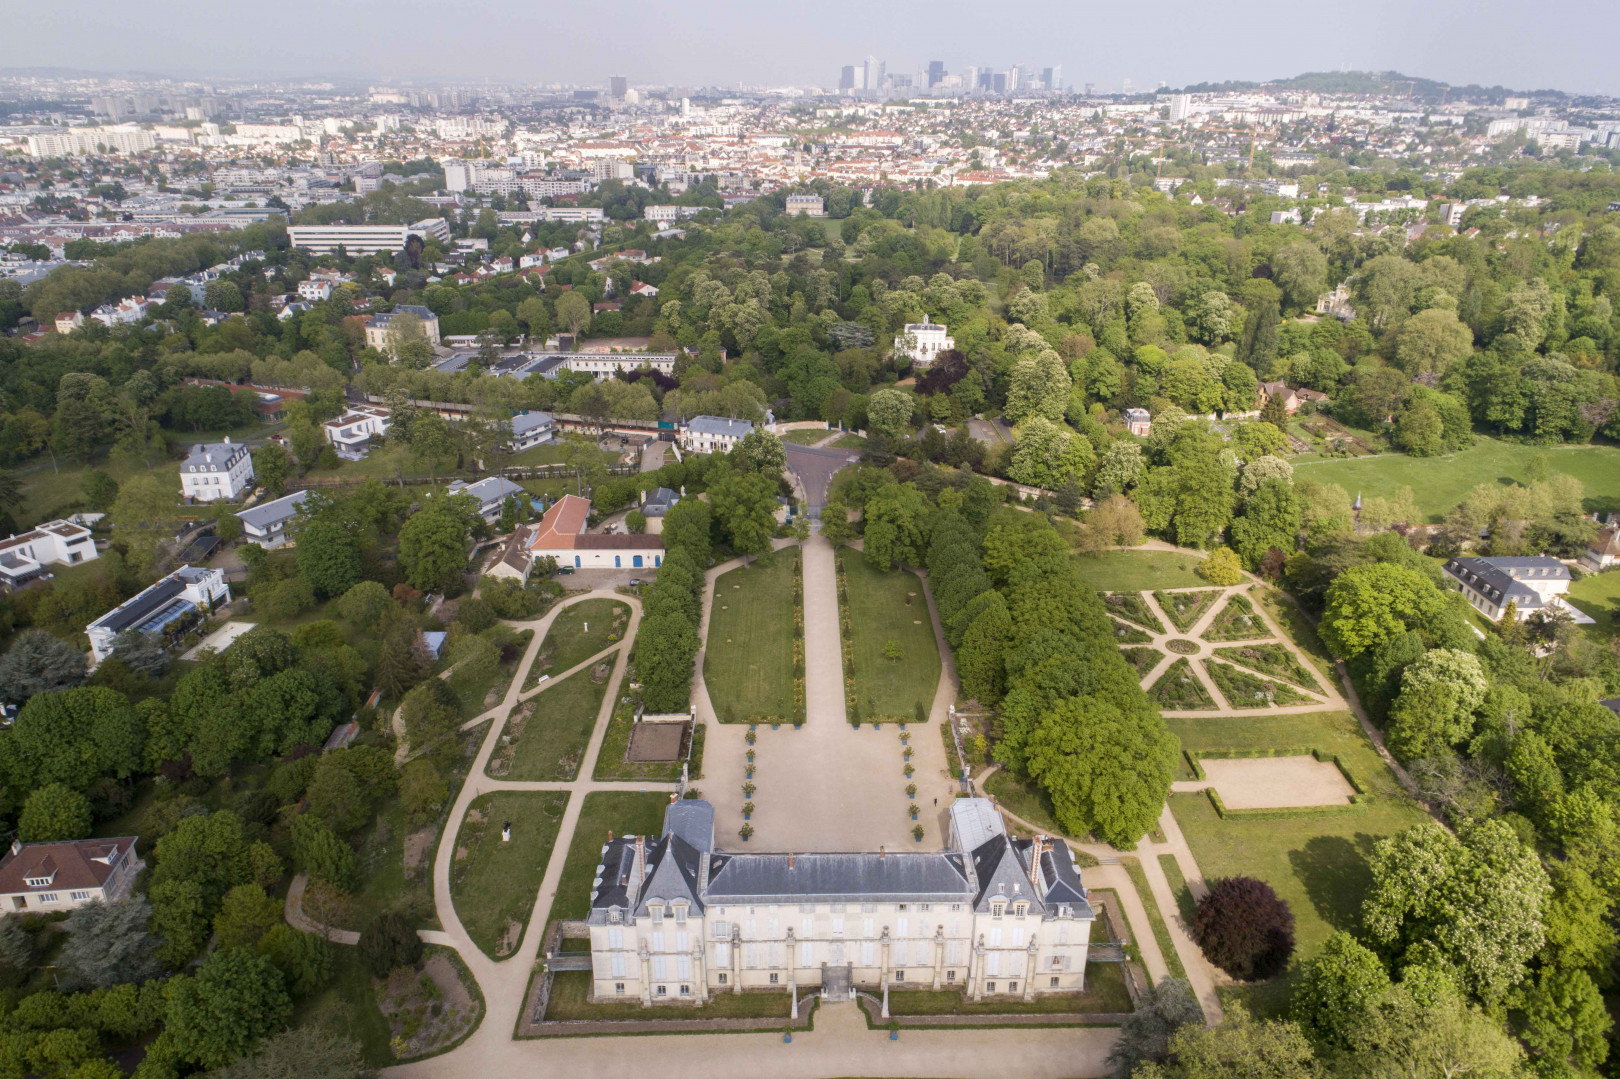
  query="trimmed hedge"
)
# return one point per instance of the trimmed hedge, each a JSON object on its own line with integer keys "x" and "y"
{"x": 1358, "y": 801}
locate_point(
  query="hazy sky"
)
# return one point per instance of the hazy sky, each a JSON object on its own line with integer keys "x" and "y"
{"x": 1558, "y": 44}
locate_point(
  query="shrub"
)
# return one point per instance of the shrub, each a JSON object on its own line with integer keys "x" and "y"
{"x": 1221, "y": 567}
{"x": 1244, "y": 928}
{"x": 387, "y": 943}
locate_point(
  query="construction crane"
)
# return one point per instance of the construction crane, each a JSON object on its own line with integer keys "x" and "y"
{"x": 1444, "y": 91}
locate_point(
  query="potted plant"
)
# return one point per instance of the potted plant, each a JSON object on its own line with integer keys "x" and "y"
{"x": 905, "y": 739}
{"x": 748, "y": 810}
{"x": 749, "y": 789}
{"x": 746, "y": 831}
{"x": 750, "y": 756}
{"x": 787, "y": 1035}
{"x": 916, "y": 833}
{"x": 894, "y": 1030}
{"x": 910, "y": 771}
{"x": 911, "y": 791}
{"x": 913, "y": 809}
{"x": 907, "y": 752}
{"x": 775, "y": 722}
{"x": 750, "y": 736}
{"x": 749, "y": 771}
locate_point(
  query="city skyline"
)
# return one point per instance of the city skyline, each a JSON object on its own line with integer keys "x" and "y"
{"x": 724, "y": 43}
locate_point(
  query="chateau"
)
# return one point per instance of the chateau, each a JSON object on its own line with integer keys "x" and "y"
{"x": 674, "y": 919}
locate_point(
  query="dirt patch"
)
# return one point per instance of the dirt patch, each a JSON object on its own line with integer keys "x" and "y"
{"x": 511, "y": 933}
{"x": 417, "y": 847}
{"x": 1277, "y": 782}
{"x": 600, "y": 672}
{"x": 426, "y": 1009}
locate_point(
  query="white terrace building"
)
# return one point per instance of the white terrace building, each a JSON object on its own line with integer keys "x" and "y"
{"x": 60, "y": 543}
{"x": 1531, "y": 584}
{"x": 674, "y": 919}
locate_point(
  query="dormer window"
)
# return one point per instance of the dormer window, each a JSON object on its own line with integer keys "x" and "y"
{"x": 997, "y": 909}
{"x": 614, "y": 915}
{"x": 39, "y": 882}
{"x": 657, "y": 912}
{"x": 1020, "y": 910}
{"x": 680, "y": 913}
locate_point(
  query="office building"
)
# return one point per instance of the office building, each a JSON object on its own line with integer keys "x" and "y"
{"x": 617, "y": 86}
{"x": 936, "y": 72}
{"x": 365, "y": 239}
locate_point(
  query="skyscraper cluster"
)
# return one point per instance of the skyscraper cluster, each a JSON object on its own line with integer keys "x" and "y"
{"x": 872, "y": 76}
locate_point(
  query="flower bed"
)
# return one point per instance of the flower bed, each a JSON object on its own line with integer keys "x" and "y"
{"x": 1185, "y": 608}
{"x": 1179, "y": 689}
{"x": 1133, "y": 608}
{"x": 1244, "y": 690}
{"x": 1272, "y": 659}
{"x": 1236, "y": 622}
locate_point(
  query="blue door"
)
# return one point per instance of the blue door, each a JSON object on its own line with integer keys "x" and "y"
{"x": 658, "y": 560}
{"x": 576, "y": 561}
{"x": 635, "y": 561}
{"x": 615, "y": 561}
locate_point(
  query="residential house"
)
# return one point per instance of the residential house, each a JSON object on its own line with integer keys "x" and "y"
{"x": 641, "y": 288}
{"x": 1532, "y": 584}
{"x": 561, "y": 534}
{"x": 1604, "y": 549}
{"x": 315, "y": 290}
{"x": 56, "y": 543}
{"x": 167, "y": 606}
{"x": 531, "y": 429}
{"x": 266, "y": 523}
{"x": 713, "y": 434}
{"x": 490, "y": 492}
{"x": 216, "y": 472}
{"x": 377, "y": 326}
{"x": 1138, "y": 422}
{"x": 68, "y": 321}
{"x": 922, "y": 342}
{"x": 356, "y": 431}
{"x": 676, "y": 919}
{"x": 47, "y": 877}
{"x": 807, "y": 205}
{"x": 605, "y": 365}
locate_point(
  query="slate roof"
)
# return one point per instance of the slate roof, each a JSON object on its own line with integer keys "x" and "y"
{"x": 693, "y": 820}
{"x": 1501, "y": 579}
{"x": 213, "y": 456}
{"x": 866, "y": 876}
{"x": 674, "y": 867}
{"x": 490, "y": 489}
{"x": 719, "y": 425}
{"x": 658, "y": 501}
{"x": 524, "y": 422}
{"x": 266, "y": 514}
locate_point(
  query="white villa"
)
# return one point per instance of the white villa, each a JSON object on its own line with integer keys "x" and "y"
{"x": 531, "y": 429}
{"x": 1531, "y": 584}
{"x": 560, "y": 534}
{"x": 713, "y": 434}
{"x": 674, "y": 919}
{"x": 216, "y": 472}
{"x": 56, "y": 543}
{"x": 353, "y": 433}
{"x": 923, "y": 342}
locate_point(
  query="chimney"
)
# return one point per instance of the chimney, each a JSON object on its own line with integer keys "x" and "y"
{"x": 883, "y": 852}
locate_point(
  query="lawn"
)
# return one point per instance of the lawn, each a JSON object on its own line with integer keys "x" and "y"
{"x": 610, "y": 762}
{"x": 805, "y": 437}
{"x": 576, "y": 634}
{"x": 1139, "y": 571}
{"x": 1439, "y": 483}
{"x": 1161, "y": 931}
{"x": 884, "y": 608}
{"x": 550, "y": 742}
{"x": 620, "y": 812}
{"x": 1598, "y": 594}
{"x": 570, "y": 999}
{"x": 1025, "y": 800}
{"x": 1317, "y": 863}
{"x": 1185, "y": 905}
{"x": 494, "y": 884}
{"x": 748, "y": 658}
{"x": 1105, "y": 993}
{"x": 474, "y": 693}
{"x": 1179, "y": 690}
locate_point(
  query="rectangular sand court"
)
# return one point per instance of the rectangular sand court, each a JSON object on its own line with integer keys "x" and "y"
{"x": 1276, "y": 782}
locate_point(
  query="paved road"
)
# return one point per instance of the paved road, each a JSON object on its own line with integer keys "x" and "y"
{"x": 652, "y": 454}
{"x": 815, "y": 468}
